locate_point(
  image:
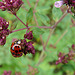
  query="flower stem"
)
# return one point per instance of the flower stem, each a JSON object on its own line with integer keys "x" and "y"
{"x": 17, "y": 30}
{"x": 42, "y": 53}
{"x": 60, "y": 19}
{"x": 21, "y": 21}
{"x": 61, "y": 37}
{"x": 29, "y": 3}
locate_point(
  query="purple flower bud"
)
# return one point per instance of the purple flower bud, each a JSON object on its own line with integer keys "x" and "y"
{"x": 7, "y": 73}
{"x": 65, "y": 61}
{"x": 27, "y": 47}
{"x": 73, "y": 46}
{"x": 60, "y": 54}
{"x": 2, "y": 40}
{"x": 5, "y": 32}
{"x": 57, "y": 62}
{"x": 3, "y": 24}
{"x": 29, "y": 35}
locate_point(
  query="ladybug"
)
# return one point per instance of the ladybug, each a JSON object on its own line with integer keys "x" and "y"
{"x": 16, "y": 49}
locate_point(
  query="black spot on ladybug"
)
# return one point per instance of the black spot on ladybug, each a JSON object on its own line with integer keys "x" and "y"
{"x": 18, "y": 54}
{"x": 11, "y": 47}
{"x": 15, "y": 46}
{"x": 18, "y": 46}
{"x": 13, "y": 53}
{"x": 16, "y": 51}
{"x": 20, "y": 50}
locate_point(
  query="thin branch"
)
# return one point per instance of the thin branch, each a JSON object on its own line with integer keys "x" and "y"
{"x": 41, "y": 56}
{"x": 35, "y": 19}
{"x": 20, "y": 20}
{"x": 29, "y": 3}
{"x": 36, "y": 4}
{"x": 42, "y": 53}
{"x": 51, "y": 32}
{"x": 31, "y": 27}
{"x": 60, "y": 37}
{"x": 60, "y": 19}
{"x": 18, "y": 30}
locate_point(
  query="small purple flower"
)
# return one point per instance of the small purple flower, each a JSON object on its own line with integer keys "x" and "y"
{"x": 29, "y": 35}
{"x": 73, "y": 46}
{"x": 27, "y": 47}
{"x": 7, "y": 73}
{"x": 2, "y": 40}
{"x": 64, "y": 58}
{"x": 11, "y": 5}
{"x": 58, "y": 4}
{"x": 3, "y": 30}
{"x": 3, "y": 24}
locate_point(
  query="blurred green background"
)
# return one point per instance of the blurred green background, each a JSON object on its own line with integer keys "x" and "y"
{"x": 46, "y": 15}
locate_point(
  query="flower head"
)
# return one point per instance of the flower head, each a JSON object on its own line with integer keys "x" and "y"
{"x": 7, "y": 73}
{"x": 11, "y": 5}
{"x": 73, "y": 46}
{"x": 3, "y": 30}
{"x": 64, "y": 58}
{"x": 27, "y": 47}
{"x": 29, "y": 35}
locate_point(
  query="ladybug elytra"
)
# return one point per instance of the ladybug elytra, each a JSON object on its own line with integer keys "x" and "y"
{"x": 16, "y": 49}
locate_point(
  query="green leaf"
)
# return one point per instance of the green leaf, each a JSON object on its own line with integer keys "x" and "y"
{"x": 37, "y": 31}
{"x": 14, "y": 25}
{"x": 73, "y": 17}
{"x": 44, "y": 19}
{"x": 29, "y": 15}
{"x": 56, "y": 13}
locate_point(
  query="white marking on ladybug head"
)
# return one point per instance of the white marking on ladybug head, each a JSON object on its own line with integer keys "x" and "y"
{"x": 19, "y": 42}
{"x": 16, "y": 45}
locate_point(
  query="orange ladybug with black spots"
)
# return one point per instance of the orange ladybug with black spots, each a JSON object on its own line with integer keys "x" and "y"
{"x": 16, "y": 49}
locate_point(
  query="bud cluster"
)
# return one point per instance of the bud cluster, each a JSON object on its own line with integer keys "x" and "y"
{"x": 27, "y": 46}
{"x": 10, "y": 72}
{"x": 64, "y": 58}
{"x": 3, "y": 30}
{"x": 11, "y": 5}
{"x": 69, "y": 2}
{"x": 7, "y": 73}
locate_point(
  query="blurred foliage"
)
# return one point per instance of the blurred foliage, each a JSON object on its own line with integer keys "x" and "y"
{"x": 46, "y": 15}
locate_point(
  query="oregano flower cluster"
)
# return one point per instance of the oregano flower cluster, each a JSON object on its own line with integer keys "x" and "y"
{"x": 10, "y": 73}
{"x": 3, "y": 30}
{"x": 65, "y": 58}
{"x": 7, "y": 73}
{"x": 11, "y": 5}
{"x": 27, "y": 46}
